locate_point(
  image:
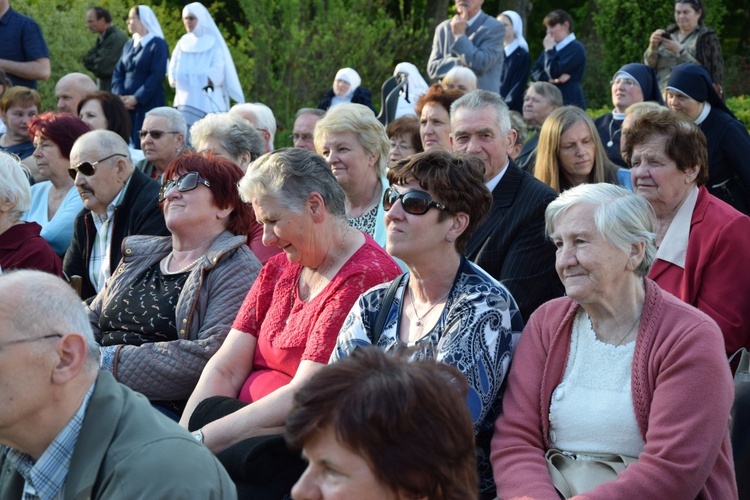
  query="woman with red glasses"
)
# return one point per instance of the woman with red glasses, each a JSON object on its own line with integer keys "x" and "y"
{"x": 169, "y": 305}
{"x": 445, "y": 307}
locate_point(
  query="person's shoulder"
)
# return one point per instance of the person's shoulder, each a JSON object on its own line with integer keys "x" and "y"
{"x": 490, "y": 22}
{"x": 603, "y": 120}
{"x": 530, "y": 185}
{"x": 721, "y": 213}
{"x": 370, "y": 251}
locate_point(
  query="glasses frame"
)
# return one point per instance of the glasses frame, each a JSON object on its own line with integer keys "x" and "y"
{"x": 3, "y": 345}
{"x": 177, "y": 184}
{"x": 388, "y": 202}
{"x": 73, "y": 171}
{"x": 155, "y": 134}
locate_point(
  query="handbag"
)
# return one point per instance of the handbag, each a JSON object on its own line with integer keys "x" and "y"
{"x": 742, "y": 373}
{"x": 385, "y": 306}
{"x": 572, "y": 477}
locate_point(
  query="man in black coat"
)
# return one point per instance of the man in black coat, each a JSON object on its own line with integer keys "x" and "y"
{"x": 118, "y": 201}
{"x": 510, "y": 244}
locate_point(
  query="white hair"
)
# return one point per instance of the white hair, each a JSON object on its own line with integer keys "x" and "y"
{"x": 263, "y": 115}
{"x": 14, "y": 185}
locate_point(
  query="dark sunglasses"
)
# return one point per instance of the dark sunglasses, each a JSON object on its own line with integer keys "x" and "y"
{"x": 155, "y": 134}
{"x": 87, "y": 168}
{"x": 413, "y": 202}
{"x": 187, "y": 182}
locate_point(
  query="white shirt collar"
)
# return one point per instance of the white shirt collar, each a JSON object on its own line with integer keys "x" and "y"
{"x": 492, "y": 183}
{"x": 511, "y": 47}
{"x": 673, "y": 247}
{"x": 564, "y": 42}
{"x": 704, "y": 113}
{"x": 471, "y": 21}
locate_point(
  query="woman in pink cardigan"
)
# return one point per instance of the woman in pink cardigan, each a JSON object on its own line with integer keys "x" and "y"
{"x": 619, "y": 366}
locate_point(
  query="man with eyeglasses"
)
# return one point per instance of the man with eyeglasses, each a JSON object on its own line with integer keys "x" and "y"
{"x": 631, "y": 84}
{"x": 118, "y": 201}
{"x": 510, "y": 244}
{"x": 304, "y": 126}
{"x": 163, "y": 138}
{"x": 69, "y": 430}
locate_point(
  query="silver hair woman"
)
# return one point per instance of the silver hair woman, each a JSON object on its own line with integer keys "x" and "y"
{"x": 356, "y": 146}
{"x": 22, "y": 246}
{"x": 616, "y": 353}
{"x": 288, "y": 324}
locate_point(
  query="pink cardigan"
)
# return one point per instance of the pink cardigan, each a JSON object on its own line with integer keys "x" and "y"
{"x": 682, "y": 395}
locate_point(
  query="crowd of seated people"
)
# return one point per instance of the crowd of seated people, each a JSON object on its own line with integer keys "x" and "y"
{"x": 567, "y": 276}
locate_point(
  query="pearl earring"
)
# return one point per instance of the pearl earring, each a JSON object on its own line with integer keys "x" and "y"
{"x": 449, "y": 239}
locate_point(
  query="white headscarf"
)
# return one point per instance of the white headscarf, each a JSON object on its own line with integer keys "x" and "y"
{"x": 352, "y": 78}
{"x": 205, "y": 35}
{"x": 150, "y": 22}
{"x": 515, "y": 19}
{"x": 416, "y": 87}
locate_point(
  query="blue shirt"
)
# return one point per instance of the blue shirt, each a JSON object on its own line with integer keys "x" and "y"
{"x": 21, "y": 40}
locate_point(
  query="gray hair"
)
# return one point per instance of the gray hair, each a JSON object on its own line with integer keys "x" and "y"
{"x": 14, "y": 185}
{"x": 518, "y": 124}
{"x": 460, "y": 73}
{"x": 43, "y": 304}
{"x": 235, "y": 134}
{"x": 310, "y": 111}
{"x": 621, "y": 217}
{"x": 174, "y": 118}
{"x": 549, "y": 92}
{"x": 360, "y": 121}
{"x": 290, "y": 175}
{"x": 263, "y": 115}
{"x": 104, "y": 142}
{"x": 479, "y": 99}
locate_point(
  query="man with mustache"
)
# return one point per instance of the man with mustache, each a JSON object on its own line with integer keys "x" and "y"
{"x": 471, "y": 39}
{"x": 118, "y": 201}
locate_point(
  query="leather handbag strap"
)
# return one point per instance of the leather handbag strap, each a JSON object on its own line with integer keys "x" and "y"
{"x": 385, "y": 306}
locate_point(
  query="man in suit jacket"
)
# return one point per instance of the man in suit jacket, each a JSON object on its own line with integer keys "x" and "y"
{"x": 68, "y": 430}
{"x": 472, "y": 39}
{"x": 118, "y": 201}
{"x": 510, "y": 244}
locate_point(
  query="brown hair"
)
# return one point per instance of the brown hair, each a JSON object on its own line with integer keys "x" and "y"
{"x": 684, "y": 141}
{"x": 436, "y": 94}
{"x": 556, "y": 17}
{"x": 409, "y": 421}
{"x": 19, "y": 95}
{"x": 407, "y": 127}
{"x": 456, "y": 180}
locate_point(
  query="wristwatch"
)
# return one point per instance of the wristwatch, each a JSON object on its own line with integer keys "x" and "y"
{"x": 198, "y": 435}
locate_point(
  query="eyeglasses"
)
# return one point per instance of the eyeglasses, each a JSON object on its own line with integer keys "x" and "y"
{"x": 628, "y": 83}
{"x": 401, "y": 147}
{"x": 413, "y": 202}
{"x": 87, "y": 168}
{"x": 155, "y": 134}
{"x": 33, "y": 339}
{"x": 187, "y": 182}
{"x": 301, "y": 137}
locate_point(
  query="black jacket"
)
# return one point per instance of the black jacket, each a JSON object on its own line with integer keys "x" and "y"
{"x": 360, "y": 96}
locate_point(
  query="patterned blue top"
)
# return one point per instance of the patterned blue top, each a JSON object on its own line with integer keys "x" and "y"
{"x": 476, "y": 333}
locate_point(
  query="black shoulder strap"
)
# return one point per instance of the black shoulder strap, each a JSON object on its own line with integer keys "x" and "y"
{"x": 385, "y": 306}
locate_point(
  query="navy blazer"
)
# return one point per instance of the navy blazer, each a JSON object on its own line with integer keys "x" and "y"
{"x": 511, "y": 244}
{"x": 571, "y": 60}
{"x": 481, "y": 50}
{"x": 140, "y": 72}
{"x": 514, "y": 78}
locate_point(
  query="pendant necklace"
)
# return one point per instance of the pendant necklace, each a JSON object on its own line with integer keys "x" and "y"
{"x": 414, "y": 307}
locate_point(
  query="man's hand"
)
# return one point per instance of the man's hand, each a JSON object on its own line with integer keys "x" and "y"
{"x": 458, "y": 26}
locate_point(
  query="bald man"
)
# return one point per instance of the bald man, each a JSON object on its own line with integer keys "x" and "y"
{"x": 118, "y": 201}
{"x": 71, "y": 89}
{"x": 68, "y": 430}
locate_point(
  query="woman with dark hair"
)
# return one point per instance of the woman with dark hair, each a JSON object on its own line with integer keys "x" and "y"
{"x": 55, "y": 202}
{"x": 169, "y": 306}
{"x": 570, "y": 153}
{"x": 690, "y": 93}
{"x": 104, "y": 110}
{"x": 403, "y": 136}
{"x": 389, "y": 428}
{"x": 287, "y": 326}
{"x": 563, "y": 60}
{"x": 434, "y": 109}
{"x": 687, "y": 41}
{"x": 140, "y": 72}
{"x": 445, "y": 308}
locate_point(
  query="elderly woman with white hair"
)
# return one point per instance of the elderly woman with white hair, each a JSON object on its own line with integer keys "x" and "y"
{"x": 517, "y": 62}
{"x": 201, "y": 63}
{"x": 231, "y": 137}
{"x": 356, "y": 146}
{"x": 21, "y": 243}
{"x": 619, "y": 375}
{"x": 460, "y": 78}
{"x": 346, "y": 89}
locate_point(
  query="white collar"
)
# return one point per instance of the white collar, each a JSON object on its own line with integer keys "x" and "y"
{"x": 511, "y": 47}
{"x": 565, "y": 42}
{"x": 471, "y": 21}
{"x": 673, "y": 247}
{"x": 704, "y": 113}
{"x": 492, "y": 183}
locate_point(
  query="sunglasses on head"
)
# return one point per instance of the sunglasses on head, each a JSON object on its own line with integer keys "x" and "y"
{"x": 413, "y": 202}
{"x": 87, "y": 168}
{"x": 187, "y": 182}
{"x": 155, "y": 134}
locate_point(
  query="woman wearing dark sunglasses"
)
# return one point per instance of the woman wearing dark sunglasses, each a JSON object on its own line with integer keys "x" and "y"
{"x": 445, "y": 308}
{"x": 168, "y": 307}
